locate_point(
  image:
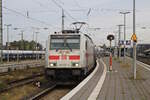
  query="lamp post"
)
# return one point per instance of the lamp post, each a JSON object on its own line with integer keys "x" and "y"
{"x": 17, "y": 47}
{"x": 124, "y": 13}
{"x": 115, "y": 42}
{"x": 37, "y": 55}
{"x": 35, "y": 33}
{"x": 22, "y": 37}
{"x": 22, "y": 40}
{"x": 134, "y": 42}
{"x": 8, "y": 44}
{"x": 1, "y": 33}
{"x": 119, "y": 39}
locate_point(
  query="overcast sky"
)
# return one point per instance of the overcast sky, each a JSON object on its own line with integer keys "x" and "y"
{"x": 104, "y": 14}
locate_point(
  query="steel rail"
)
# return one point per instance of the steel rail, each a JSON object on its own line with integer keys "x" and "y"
{"x": 42, "y": 93}
{"x": 21, "y": 82}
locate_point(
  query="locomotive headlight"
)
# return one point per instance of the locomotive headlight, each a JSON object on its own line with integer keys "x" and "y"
{"x": 51, "y": 65}
{"x": 76, "y": 65}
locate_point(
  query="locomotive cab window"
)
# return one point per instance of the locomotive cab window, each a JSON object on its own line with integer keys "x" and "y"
{"x": 65, "y": 42}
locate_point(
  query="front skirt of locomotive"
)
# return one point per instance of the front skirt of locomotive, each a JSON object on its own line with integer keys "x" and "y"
{"x": 65, "y": 74}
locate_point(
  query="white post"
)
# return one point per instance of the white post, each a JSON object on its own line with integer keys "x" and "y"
{"x": 1, "y": 34}
{"x": 134, "y": 43}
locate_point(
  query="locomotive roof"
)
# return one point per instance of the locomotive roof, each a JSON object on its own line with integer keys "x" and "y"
{"x": 73, "y": 34}
{"x": 70, "y": 31}
{"x": 66, "y": 34}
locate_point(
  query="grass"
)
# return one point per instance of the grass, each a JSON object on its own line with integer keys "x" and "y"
{"x": 125, "y": 65}
{"x": 2, "y": 85}
{"x": 119, "y": 61}
{"x": 18, "y": 93}
{"x": 16, "y": 75}
{"x": 43, "y": 80}
{"x": 138, "y": 76}
{"x": 115, "y": 58}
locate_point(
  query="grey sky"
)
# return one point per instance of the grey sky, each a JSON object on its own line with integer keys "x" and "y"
{"x": 104, "y": 15}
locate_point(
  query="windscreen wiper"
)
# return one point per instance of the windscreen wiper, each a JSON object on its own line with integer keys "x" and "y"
{"x": 57, "y": 49}
{"x": 68, "y": 46}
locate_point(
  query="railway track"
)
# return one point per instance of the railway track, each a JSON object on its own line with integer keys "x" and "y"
{"x": 21, "y": 82}
{"x": 51, "y": 92}
{"x": 9, "y": 72}
{"x": 42, "y": 93}
{"x": 144, "y": 60}
{"x": 4, "y": 73}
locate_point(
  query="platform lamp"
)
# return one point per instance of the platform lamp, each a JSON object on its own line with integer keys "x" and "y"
{"x": 124, "y": 13}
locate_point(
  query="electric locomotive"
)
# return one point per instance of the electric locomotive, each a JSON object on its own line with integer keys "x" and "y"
{"x": 69, "y": 55}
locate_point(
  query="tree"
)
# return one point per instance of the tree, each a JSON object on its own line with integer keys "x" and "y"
{"x": 25, "y": 45}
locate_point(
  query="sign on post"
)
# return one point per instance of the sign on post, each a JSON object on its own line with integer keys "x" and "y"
{"x": 134, "y": 38}
{"x": 122, "y": 42}
{"x": 128, "y": 42}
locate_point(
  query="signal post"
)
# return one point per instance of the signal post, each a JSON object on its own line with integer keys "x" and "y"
{"x": 110, "y": 38}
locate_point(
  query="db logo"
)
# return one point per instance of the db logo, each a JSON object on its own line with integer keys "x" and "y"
{"x": 63, "y": 54}
{"x": 63, "y": 57}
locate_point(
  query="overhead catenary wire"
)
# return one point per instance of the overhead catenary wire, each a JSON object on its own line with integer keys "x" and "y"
{"x": 58, "y": 5}
{"x": 60, "y": 2}
{"x": 39, "y": 3}
{"x": 44, "y": 6}
{"x": 23, "y": 15}
{"x": 76, "y": 2}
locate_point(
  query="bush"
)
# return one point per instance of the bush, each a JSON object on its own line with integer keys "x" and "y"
{"x": 2, "y": 86}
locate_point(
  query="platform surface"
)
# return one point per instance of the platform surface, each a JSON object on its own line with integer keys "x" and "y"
{"x": 120, "y": 85}
{"x": 87, "y": 89}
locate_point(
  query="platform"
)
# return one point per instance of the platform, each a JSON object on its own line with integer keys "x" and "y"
{"x": 120, "y": 85}
{"x": 85, "y": 88}
{"x": 117, "y": 84}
